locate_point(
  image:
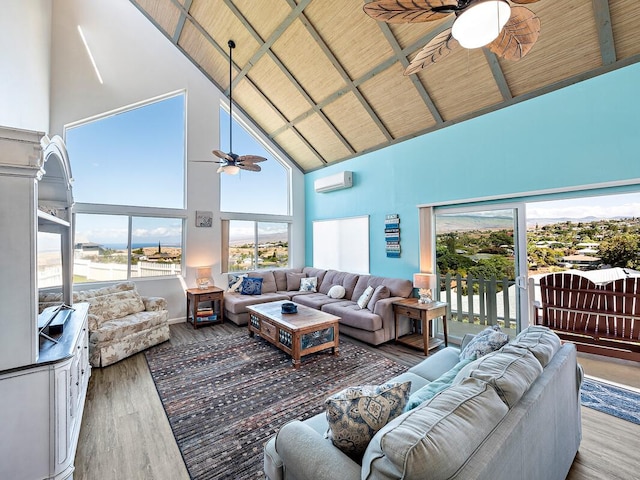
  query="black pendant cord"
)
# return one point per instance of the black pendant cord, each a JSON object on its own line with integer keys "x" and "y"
{"x": 232, "y": 45}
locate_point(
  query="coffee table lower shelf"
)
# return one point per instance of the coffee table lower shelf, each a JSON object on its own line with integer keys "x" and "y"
{"x": 299, "y": 334}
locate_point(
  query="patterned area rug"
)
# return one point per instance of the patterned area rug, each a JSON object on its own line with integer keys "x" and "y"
{"x": 226, "y": 397}
{"x": 616, "y": 401}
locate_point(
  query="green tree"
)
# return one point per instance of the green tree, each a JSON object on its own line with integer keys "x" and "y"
{"x": 620, "y": 250}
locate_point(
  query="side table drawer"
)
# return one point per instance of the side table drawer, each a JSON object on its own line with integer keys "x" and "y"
{"x": 206, "y": 297}
{"x": 407, "y": 312}
{"x": 268, "y": 330}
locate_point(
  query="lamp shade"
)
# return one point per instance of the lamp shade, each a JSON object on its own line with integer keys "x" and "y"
{"x": 423, "y": 280}
{"x": 481, "y": 23}
{"x": 231, "y": 169}
{"x": 203, "y": 276}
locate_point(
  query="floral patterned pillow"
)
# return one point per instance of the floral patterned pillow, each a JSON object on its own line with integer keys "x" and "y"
{"x": 356, "y": 413}
{"x": 309, "y": 284}
{"x": 488, "y": 340}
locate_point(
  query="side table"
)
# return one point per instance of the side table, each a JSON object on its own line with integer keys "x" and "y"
{"x": 424, "y": 313}
{"x": 195, "y": 296}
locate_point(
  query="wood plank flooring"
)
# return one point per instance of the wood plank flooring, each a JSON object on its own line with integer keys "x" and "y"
{"x": 125, "y": 433}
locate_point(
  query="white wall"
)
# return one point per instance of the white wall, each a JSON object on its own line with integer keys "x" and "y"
{"x": 24, "y": 71}
{"x": 138, "y": 63}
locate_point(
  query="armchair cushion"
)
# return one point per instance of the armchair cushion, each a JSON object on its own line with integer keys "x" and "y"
{"x": 115, "y": 305}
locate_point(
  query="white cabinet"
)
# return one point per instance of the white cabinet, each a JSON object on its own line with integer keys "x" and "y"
{"x": 43, "y": 384}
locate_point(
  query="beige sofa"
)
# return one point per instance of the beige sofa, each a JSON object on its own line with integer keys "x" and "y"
{"x": 121, "y": 321}
{"x": 512, "y": 414}
{"x": 373, "y": 324}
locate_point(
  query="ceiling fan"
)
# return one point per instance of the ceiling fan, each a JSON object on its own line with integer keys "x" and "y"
{"x": 509, "y": 31}
{"x": 230, "y": 162}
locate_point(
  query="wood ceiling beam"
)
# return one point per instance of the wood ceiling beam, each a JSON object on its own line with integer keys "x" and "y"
{"x": 381, "y": 67}
{"x": 605, "y": 32}
{"x": 282, "y": 27}
{"x": 498, "y": 74}
{"x": 402, "y": 58}
{"x": 181, "y": 20}
{"x": 265, "y": 46}
{"x": 343, "y": 73}
{"x": 208, "y": 37}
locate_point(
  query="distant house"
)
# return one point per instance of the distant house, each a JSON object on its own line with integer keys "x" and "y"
{"x": 88, "y": 249}
{"x": 581, "y": 261}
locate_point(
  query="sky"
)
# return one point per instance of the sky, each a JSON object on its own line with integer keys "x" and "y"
{"x": 606, "y": 206}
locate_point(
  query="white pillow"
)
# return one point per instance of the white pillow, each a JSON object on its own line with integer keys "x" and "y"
{"x": 365, "y": 297}
{"x": 337, "y": 291}
{"x": 308, "y": 284}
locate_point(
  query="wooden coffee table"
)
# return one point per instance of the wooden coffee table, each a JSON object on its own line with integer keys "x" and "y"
{"x": 297, "y": 334}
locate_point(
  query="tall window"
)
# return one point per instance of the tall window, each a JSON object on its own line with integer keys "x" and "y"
{"x": 128, "y": 170}
{"x": 257, "y": 205}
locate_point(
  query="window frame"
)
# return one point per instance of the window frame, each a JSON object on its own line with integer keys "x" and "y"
{"x": 131, "y": 211}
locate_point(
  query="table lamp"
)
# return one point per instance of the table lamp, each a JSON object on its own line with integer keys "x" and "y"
{"x": 203, "y": 277}
{"x": 424, "y": 282}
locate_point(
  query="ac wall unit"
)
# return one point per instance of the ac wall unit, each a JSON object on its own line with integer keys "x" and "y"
{"x": 334, "y": 182}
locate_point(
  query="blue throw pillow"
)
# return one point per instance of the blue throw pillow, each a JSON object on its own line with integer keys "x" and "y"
{"x": 430, "y": 389}
{"x": 251, "y": 286}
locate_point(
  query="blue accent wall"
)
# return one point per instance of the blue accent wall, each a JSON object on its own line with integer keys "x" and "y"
{"x": 584, "y": 134}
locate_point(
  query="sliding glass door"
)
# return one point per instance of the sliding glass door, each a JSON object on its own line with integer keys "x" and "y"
{"x": 480, "y": 258}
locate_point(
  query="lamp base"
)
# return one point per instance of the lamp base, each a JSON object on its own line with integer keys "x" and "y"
{"x": 425, "y": 296}
{"x": 203, "y": 283}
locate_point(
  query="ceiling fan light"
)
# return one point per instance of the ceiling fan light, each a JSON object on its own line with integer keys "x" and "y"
{"x": 231, "y": 169}
{"x": 481, "y": 23}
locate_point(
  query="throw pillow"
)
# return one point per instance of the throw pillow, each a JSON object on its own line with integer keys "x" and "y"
{"x": 365, "y": 297}
{"x": 308, "y": 284}
{"x": 379, "y": 293}
{"x": 251, "y": 286}
{"x": 337, "y": 291}
{"x": 488, "y": 340}
{"x": 356, "y": 413}
{"x": 293, "y": 280}
{"x": 235, "y": 281}
{"x": 429, "y": 391}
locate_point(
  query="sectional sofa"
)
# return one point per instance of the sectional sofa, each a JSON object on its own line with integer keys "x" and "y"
{"x": 373, "y": 324}
{"x": 511, "y": 414}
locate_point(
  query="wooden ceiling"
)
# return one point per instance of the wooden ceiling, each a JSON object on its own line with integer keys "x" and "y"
{"x": 325, "y": 82}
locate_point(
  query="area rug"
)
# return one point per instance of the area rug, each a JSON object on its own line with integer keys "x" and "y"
{"x": 225, "y": 397}
{"x": 607, "y": 398}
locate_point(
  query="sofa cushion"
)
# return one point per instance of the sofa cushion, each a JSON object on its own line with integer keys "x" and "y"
{"x": 315, "y": 272}
{"x": 511, "y": 371}
{"x": 337, "y": 291}
{"x": 353, "y": 316}
{"x": 398, "y": 287}
{"x": 363, "y": 300}
{"x": 237, "y": 303}
{"x": 439, "y": 384}
{"x": 488, "y": 340}
{"x": 268, "y": 281}
{"x": 309, "y": 284}
{"x": 123, "y": 327}
{"x": 540, "y": 341}
{"x": 251, "y": 286}
{"x": 381, "y": 291}
{"x": 293, "y": 281}
{"x": 333, "y": 277}
{"x": 314, "y": 300}
{"x": 280, "y": 275}
{"x": 356, "y": 413}
{"x": 114, "y": 305}
{"x": 435, "y": 439}
{"x": 435, "y": 365}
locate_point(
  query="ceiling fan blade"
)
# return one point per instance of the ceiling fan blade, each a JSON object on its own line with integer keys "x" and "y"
{"x": 249, "y": 166}
{"x": 221, "y": 154}
{"x": 251, "y": 159}
{"x": 409, "y": 11}
{"x": 518, "y": 36}
{"x": 220, "y": 169}
{"x": 439, "y": 47}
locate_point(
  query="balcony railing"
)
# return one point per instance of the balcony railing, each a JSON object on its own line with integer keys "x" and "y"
{"x": 477, "y": 302}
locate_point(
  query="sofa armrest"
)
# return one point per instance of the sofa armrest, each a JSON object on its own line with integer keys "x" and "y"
{"x": 384, "y": 307}
{"x": 309, "y": 456}
{"x": 92, "y": 322}
{"x": 154, "y": 304}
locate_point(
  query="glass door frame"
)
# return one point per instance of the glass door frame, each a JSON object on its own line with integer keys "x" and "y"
{"x": 428, "y": 241}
